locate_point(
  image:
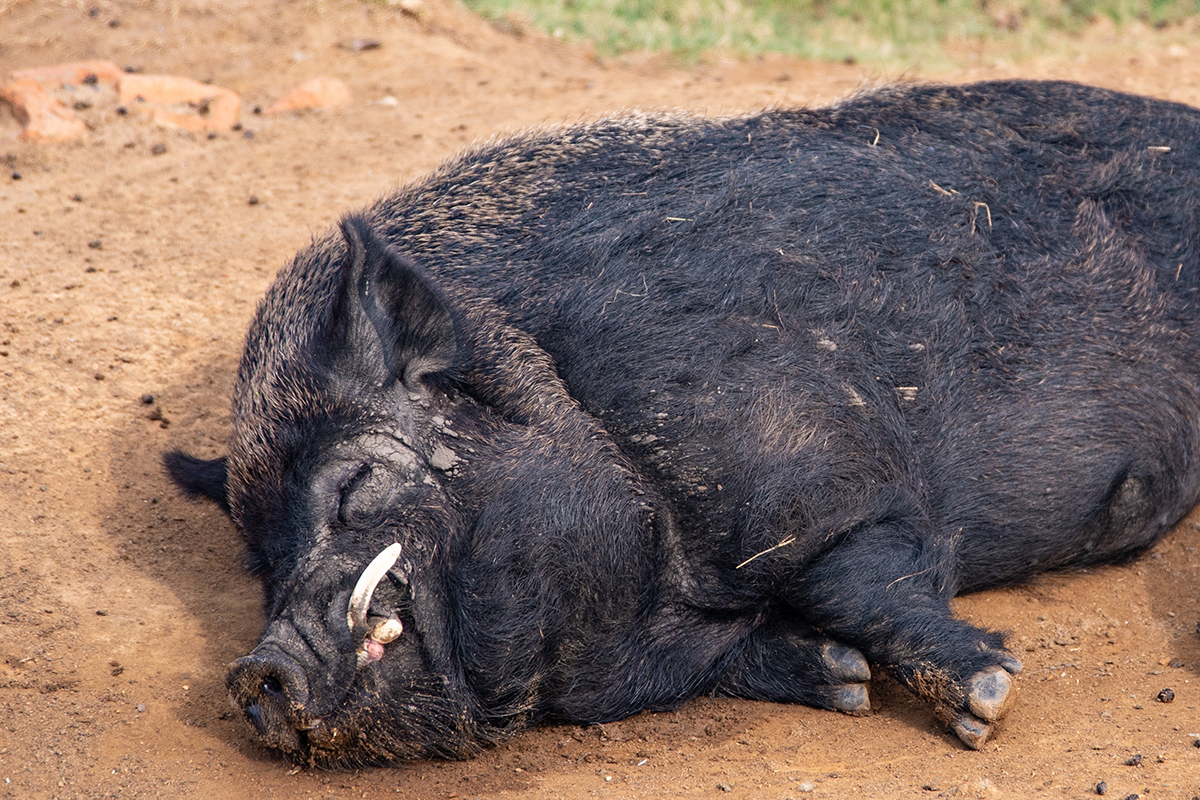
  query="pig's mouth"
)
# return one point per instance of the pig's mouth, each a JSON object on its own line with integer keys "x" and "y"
{"x": 335, "y": 737}
{"x": 368, "y": 708}
{"x": 272, "y": 689}
{"x": 370, "y": 725}
{"x": 374, "y": 632}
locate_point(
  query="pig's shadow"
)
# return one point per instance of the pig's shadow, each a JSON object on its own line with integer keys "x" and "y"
{"x": 189, "y": 547}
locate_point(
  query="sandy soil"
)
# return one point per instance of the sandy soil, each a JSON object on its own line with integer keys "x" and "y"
{"x": 127, "y": 275}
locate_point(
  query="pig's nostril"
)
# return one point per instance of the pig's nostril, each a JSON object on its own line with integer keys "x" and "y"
{"x": 255, "y": 715}
{"x": 269, "y": 679}
{"x": 272, "y": 686}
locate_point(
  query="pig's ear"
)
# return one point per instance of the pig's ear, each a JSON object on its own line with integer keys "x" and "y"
{"x": 389, "y": 293}
{"x": 197, "y": 477}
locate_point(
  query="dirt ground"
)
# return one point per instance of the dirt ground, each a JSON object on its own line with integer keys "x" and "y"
{"x": 129, "y": 267}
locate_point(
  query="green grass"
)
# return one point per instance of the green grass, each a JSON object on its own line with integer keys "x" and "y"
{"x": 873, "y": 31}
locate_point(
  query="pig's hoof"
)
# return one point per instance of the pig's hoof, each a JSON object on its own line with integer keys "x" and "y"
{"x": 1011, "y": 664}
{"x": 847, "y": 665}
{"x": 973, "y": 732}
{"x": 851, "y": 698}
{"x": 989, "y": 695}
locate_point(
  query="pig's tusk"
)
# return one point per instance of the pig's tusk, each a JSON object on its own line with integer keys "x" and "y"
{"x": 360, "y": 599}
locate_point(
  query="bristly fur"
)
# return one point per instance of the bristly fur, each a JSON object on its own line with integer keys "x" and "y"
{"x": 663, "y": 405}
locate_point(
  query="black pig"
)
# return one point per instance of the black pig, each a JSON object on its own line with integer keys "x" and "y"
{"x": 601, "y": 418}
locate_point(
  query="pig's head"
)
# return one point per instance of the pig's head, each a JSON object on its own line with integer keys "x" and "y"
{"x": 349, "y": 435}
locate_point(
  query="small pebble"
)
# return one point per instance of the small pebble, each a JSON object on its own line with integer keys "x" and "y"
{"x": 1134, "y": 761}
{"x": 158, "y": 149}
{"x": 724, "y": 787}
{"x": 95, "y": 244}
{"x": 147, "y": 399}
{"x": 1166, "y": 695}
{"x": 358, "y": 44}
{"x": 16, "y": 176}
{"x": 253, "y": 200}
{"x": 1101, "y": 787}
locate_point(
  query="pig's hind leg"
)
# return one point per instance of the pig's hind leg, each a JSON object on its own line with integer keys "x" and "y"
{"x": 885, "y": 589}
{"x": 786, "y": 661}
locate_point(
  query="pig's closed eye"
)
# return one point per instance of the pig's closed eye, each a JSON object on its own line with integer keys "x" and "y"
{"x": 345, "y": 500}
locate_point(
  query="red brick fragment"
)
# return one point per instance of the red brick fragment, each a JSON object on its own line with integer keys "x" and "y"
{"x": 320, "y": 92}
{"x": 75, "y": 73}
{"x": 44, "y": 117}
{"x": 208, "y": 107}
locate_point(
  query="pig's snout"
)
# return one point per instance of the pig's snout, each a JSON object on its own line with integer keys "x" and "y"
{"x": 270, "y": 689}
